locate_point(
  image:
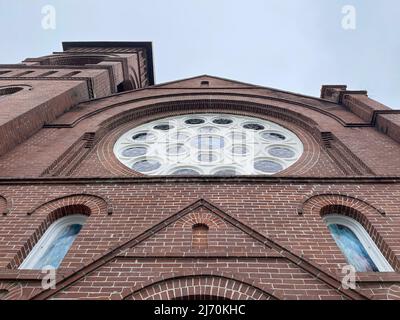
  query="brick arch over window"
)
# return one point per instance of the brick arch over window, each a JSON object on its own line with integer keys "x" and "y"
{"x": 305, "y": 128}
{"x": 201, "y": 216}
{"x": 96, "y": 204}
{"x": 200, "y": 286}
{"x": 58, "y": 208}
{"x": 357, "y": 209}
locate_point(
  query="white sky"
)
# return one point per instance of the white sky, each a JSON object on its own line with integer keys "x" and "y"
{"x": 294, "y": 45}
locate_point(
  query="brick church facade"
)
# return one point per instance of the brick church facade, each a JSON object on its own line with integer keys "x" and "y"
{"x": 166, "y": 236}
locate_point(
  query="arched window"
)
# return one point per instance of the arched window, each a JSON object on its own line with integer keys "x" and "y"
{"x": 55, "y": 243}
{"x": 356, "y": 244}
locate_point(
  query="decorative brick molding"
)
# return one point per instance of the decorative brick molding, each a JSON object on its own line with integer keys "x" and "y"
{"x": 204, "y": 286}
{"x": 346, "y": 160}
{"x": 70, "y": 159}
{"x": 94, "y": 204}
{"x": 313, "y": 203}
{"x": 56, "y": 209}
{"x": 200, "y": 216}
{"x": 357, "y": 209}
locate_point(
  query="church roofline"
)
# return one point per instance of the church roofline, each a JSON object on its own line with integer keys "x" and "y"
{"x": 245, "y": 84}
{"x": 146, "y": 45}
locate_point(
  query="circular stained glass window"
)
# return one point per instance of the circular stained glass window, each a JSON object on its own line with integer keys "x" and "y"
{"x": 209, "y": 144}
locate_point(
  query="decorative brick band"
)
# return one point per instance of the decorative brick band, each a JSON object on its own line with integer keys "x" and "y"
{"x": 197, "y": 287}
{"x": 359, "y": 210}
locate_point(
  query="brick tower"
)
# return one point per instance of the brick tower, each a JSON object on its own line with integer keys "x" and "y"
{"x": 193, "y": 189}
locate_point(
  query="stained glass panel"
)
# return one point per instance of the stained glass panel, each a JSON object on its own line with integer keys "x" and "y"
{"x": 352, "y": 248}
{"x": 59, "y": 248}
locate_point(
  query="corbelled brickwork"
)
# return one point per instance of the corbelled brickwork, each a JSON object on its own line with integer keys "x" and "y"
{"x": 260, "y": 237}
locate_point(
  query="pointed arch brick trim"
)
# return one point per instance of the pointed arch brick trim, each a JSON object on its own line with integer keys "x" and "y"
{"x": 314, "y": 203}
{"x": 355, "y": 208}
{"x": 58, "y": 208}
{"x": 200, "y": 286}
{"x": 94, "y": 203}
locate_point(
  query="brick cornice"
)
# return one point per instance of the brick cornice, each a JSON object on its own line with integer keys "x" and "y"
{"x": 202, "y": 179}
{"x": 207, "y": 93}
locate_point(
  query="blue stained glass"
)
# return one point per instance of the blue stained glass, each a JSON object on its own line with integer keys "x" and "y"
{"x": 352, "y": 248}
{"x": 59, "y": 247}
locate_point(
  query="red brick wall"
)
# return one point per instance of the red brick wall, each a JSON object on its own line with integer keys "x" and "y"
{"x": 268, "y": 208}
{"x": 266, "y": 238}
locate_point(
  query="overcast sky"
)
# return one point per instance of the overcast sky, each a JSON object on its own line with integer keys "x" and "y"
{"x": 295, "y": 45}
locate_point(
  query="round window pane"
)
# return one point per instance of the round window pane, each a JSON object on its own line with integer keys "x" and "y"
{"x": 273, "y": 136}
{"x": 163, "y": 127}
{"x": 134, "y": 152}
{"x": 281, "y": 152}
{"x": 254, "y": 126}
{"x": 143, "y": 136}
{"x": 146, "y": 165}
{"x": 267, "y": 166}
{"x": 194, "y": 121}
{"x": 223, "y": 121}
{"x": 208, "y": 144}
